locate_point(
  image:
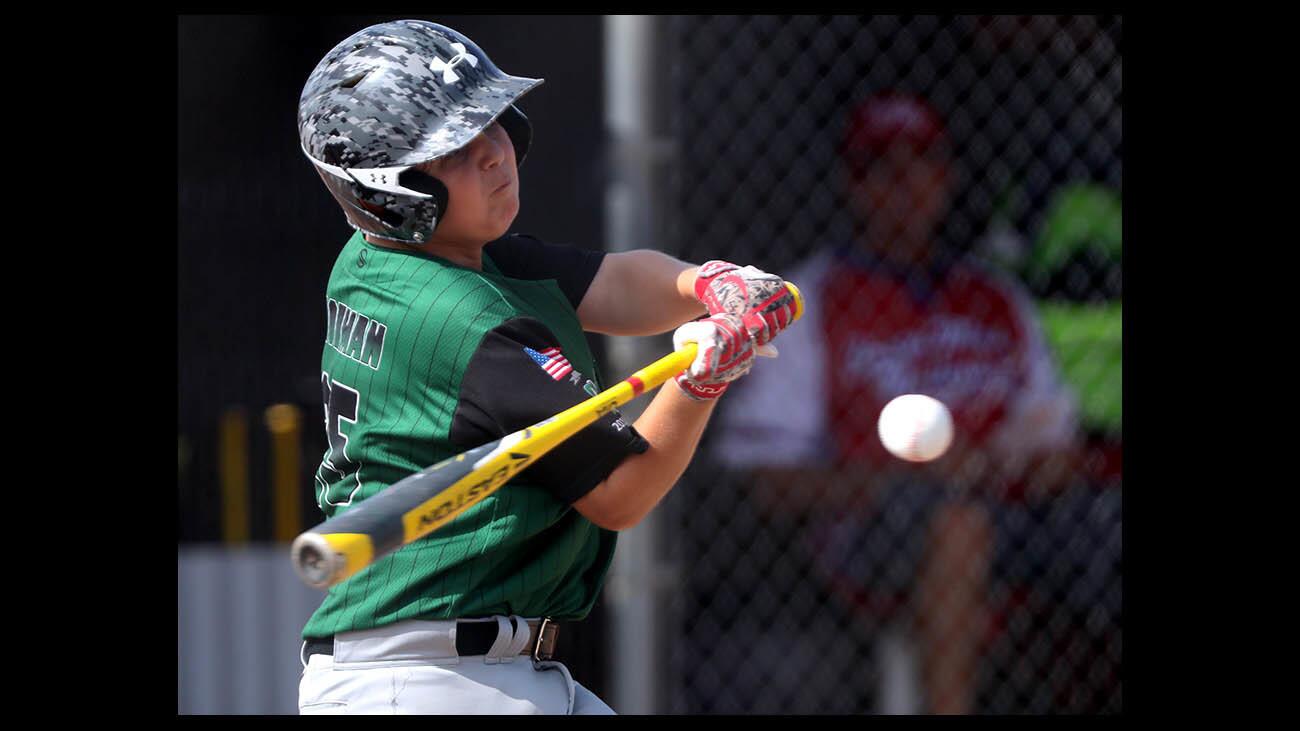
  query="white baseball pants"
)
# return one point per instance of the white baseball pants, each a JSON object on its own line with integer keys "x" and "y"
{"x": 412, "y": 667}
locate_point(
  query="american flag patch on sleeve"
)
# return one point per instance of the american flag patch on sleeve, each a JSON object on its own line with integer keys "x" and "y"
{"x": 552, "y": 361}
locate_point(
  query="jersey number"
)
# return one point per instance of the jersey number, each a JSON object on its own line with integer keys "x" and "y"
{"x": 338, "y": 478}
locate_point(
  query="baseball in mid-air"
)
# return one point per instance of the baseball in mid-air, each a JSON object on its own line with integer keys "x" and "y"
{"x": 915, "y": 427}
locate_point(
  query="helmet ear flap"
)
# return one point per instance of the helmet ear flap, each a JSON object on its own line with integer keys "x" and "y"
{"x": 520, "y": 130}
{"x": 418, "y": 180}
{"x": 392, "y": 216}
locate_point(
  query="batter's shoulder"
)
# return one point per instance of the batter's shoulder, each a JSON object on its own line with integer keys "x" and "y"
{"x": 528, "y": 257}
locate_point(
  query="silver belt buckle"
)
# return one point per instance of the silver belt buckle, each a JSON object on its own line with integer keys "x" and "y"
{"x": 544, "y": 648}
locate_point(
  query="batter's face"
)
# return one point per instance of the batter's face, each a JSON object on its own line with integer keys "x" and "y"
{"x": 482, "y": 190}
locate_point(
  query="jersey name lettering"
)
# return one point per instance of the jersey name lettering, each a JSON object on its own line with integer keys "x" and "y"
{"x": 354, "y": 335}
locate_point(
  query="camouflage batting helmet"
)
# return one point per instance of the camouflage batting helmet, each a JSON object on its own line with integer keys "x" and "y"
{"x": 391, "y": 97}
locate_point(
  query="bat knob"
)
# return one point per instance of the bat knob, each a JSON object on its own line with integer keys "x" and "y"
{"x": 315, "y": 560}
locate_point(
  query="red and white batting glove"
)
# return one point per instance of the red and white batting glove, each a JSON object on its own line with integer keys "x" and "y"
{"x": 725, "y": 352}
{"x": 761, "y": 300}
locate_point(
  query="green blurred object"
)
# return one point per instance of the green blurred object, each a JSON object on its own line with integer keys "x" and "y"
{"x": 1087, "y": 340}
{"x": 1081, "y": 216}
{"x": 1075, "y": 267}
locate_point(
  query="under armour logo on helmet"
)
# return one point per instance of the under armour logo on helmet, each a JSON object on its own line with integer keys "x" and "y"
{"x": 448, "y": 75}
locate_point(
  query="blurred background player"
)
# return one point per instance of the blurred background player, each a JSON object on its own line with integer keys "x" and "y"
{"x": 444, "y": 333}
{"x": 899, "y": 309}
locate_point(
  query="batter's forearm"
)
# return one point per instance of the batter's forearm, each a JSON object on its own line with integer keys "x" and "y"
{"x": 640, "y": 292}
{"x": 662, "y": 291}
{"x": 673, "y": 424}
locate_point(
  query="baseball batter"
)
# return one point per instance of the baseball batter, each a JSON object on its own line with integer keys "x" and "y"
{"x": 443, "y": 333}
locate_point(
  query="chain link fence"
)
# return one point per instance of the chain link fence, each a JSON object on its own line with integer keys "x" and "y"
{"x": 979, "y": 263}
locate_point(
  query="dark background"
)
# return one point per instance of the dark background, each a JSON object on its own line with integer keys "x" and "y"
{"x": 257, "y": 232}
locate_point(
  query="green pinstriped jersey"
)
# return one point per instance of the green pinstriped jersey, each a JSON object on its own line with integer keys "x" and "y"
{"x": 401, "y": 331}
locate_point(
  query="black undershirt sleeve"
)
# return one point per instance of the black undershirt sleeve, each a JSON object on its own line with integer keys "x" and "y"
{"x": 521, "y": 256}
{"x": 506, "y": 388}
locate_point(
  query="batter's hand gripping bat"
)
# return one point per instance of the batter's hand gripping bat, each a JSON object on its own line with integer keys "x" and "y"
{"x": 417, "y": 505}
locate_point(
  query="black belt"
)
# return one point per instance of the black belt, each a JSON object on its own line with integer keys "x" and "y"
{"x": 474, "y": 638}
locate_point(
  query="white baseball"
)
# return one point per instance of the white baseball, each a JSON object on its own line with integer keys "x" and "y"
{"x": 916, "y": 428}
